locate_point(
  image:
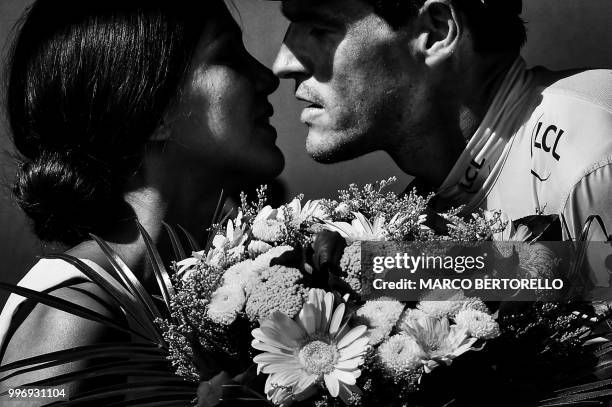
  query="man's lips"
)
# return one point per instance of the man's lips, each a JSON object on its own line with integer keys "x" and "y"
{"x": 312, "y": 103}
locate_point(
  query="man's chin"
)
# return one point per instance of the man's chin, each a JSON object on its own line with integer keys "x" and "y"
{"x": 329, "y": 153}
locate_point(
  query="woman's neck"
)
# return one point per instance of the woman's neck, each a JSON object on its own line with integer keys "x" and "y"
{"x": 187, "y": 203}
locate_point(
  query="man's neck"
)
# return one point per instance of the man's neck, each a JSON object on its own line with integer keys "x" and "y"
{"x": 484, "y": 83}
{"x": 446, "y": 134}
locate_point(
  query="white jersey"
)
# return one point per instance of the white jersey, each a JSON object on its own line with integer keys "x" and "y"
{"x": 560, "y": 161}
{"x": 545, "y": 146}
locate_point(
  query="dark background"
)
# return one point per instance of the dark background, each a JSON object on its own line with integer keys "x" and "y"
{"x": 562, "y": 34}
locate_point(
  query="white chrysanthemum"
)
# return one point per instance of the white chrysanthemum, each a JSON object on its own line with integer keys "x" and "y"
{"x": 440, "y": 341}
{"x": 380, "y": 312}
{"x": 225, "y": 303}
{"x": 400, "y": 354}
{"x": 315, "y": 347}
{"x": 240, "y": 274}
{"x": 380, "y": 316}
{"x": 409, "y": 316}
{"x": 258, "y": 247}
{"x": 377, "y": 335}
{"x": 360, "y": 228}
{"x": 478, "y": 324}
{"x": 445, "y": 304}
{"x": 269, "y": 225}
{"x": 263, "y": 261}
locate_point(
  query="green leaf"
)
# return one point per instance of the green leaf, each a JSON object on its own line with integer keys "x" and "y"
{"x": 129, "y": 303}
{"x": 238, "y": 393}
{"x": 119, "y": 349}
{"x": 588, "y": 396}
{"x": 179, "y": 387}
{"x": 157, "y": 401}
{"x": 133, "y": 361}
{"x": 70, "y": 308}
{"x": 177, "y": 247}
{"x": 163, "y": 279}
{"x": 584, "y": 387}
{"x": 125, "y": 369}
{"x": 129, "y": 279}
{"x": 195, "y": 247}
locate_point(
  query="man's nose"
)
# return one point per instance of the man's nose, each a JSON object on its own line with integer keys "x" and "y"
{"x": 287, "y": 65}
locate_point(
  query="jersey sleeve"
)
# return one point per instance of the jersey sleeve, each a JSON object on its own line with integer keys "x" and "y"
{"x": 592, "y": 195}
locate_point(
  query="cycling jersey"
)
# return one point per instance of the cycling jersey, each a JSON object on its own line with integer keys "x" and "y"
{"x": 545, "y": 146}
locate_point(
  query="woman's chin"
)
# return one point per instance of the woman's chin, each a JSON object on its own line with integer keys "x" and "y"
{"x": 269, "y": 163}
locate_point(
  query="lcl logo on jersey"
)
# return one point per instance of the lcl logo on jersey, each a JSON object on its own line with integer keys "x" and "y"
{"x": 471, "y": 174}
{"x": 545, "y": 138}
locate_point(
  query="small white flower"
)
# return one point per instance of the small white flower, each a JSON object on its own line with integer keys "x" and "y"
{"x": 399, "y": 355}
{"x": 342, "y": 210}
{"x": 240, "y": 274}
{"x": 257, "y": 247}
{"x": 360, "y": 228}
{"x": 380, "y": 312}
{"x": 479, "y": 324}
{"x": 409, "y": 317}
{"x": 444, "y": 304}
{"x": 187, "y": 266}
{"x": 379, "y": 316}
{"x": 226, "y": 302}
{"x": 269, "y": 225}
{"x": 440, "y": 341}
{"x": 308, "y": 212}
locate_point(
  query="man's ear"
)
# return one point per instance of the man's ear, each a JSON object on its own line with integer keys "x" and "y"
{"x": 439, "y": 30}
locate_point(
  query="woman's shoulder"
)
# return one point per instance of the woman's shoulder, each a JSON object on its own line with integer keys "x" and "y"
{"x": 28, "y": 327}
{"x": 37, "y": 329}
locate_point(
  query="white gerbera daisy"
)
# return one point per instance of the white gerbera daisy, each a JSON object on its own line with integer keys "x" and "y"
{"x": 360, "y": 228}
{"x": 440, "y": 341}
{"x": 314, "y": 348}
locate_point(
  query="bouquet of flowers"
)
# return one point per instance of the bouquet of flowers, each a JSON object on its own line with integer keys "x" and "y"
{"x": 283, "y": 289}
{"x": 280, "y": 298}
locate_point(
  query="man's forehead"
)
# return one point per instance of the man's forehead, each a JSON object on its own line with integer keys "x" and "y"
{"x": 296, "y": 10}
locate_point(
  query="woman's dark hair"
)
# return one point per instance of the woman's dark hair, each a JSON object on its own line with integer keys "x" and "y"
{"x": 89, "y": 82}
{"x": 496, "y": 24}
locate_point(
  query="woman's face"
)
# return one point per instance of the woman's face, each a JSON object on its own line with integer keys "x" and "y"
{"x": 220, "y": 124}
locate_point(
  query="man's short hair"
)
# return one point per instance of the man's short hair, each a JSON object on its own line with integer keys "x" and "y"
{"x": 495, "y": 24}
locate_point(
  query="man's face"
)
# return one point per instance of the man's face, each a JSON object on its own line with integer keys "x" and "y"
{"x": 355, "y": 72}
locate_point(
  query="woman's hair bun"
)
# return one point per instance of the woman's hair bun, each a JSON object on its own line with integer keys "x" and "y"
{"x": 66, "y": 195}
